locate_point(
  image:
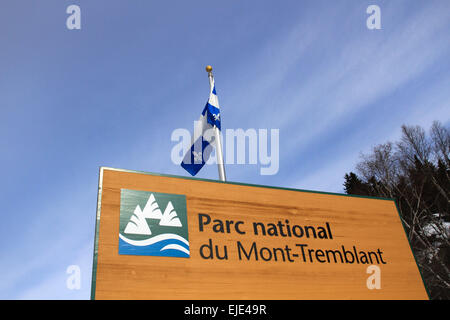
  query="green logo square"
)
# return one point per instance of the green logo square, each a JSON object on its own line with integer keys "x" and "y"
{"x": 153, "y": 224}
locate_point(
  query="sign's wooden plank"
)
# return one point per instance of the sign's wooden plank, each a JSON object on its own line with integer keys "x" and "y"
{"x": 247, "y": 242}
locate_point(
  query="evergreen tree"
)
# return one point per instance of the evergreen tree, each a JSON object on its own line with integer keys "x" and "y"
{"x": 416, "y": 173}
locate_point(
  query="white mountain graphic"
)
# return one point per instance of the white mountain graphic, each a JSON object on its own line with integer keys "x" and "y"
{"x": 138, "y": 223}
{"x": 170, "y": 217}
{"x": 151, "y": 209}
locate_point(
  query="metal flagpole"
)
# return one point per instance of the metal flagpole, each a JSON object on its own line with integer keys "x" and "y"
{"x": 219, "y": 153}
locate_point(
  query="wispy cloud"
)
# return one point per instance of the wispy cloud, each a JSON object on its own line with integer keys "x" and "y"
{"x": 54, "y": 284}
{"x": 366, "y": 71}
{"x": 319, "y": 95}
{"x": 424, "y": 107}
{"x": 313, "y": 75}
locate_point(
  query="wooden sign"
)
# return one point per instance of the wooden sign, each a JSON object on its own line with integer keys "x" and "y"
{"x": 167, "y": 237}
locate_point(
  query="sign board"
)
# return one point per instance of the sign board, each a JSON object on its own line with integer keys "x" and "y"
{"x": 167, "y": 237}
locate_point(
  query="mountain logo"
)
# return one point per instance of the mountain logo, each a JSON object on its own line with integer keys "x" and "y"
{"x": 146, "y": 230}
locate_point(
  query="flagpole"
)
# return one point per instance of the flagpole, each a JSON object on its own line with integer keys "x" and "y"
{"x": 219, "y": 153}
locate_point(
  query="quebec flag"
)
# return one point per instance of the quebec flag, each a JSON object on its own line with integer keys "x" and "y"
{"x": 203, "y": 141}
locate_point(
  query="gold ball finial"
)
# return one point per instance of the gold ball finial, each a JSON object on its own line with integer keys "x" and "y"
{"x": 208, "y": 69}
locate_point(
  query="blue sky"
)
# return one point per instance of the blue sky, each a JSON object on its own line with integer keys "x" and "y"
{"x": 111, "y": 94}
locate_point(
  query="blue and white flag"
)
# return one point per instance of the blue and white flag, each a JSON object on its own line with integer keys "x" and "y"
{"x": 204, "y": 139}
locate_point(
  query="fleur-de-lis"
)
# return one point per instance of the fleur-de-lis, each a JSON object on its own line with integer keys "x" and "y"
{"x": 216, "y": 116}
{"x": 197, "y": 156}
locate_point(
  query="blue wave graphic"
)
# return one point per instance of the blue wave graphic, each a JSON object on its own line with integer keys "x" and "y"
{"x": 163, "y": 248}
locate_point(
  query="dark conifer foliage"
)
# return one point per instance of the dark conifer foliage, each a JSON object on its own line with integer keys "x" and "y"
{"x": 415, "y": 171}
